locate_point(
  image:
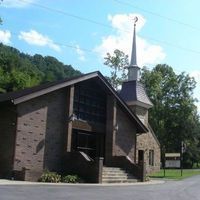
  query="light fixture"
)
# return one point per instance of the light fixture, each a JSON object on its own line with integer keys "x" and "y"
{"x": 116, "y": 127}
{"x": 72, "y": 117}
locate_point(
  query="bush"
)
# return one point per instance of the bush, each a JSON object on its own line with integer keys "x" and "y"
{"x": 51, "y": 177}
{"x": 70, "y": 179}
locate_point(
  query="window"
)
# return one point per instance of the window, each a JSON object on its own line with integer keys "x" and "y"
{"x": 90, "y": 103}
{"x": 151, "y": 157}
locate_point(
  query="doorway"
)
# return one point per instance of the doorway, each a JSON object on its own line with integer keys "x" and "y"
{"x": 140, "y": 156}
{"x": 90, "y": 143}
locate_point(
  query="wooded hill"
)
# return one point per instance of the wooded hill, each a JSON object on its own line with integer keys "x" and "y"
{"x": 19, "y": 70}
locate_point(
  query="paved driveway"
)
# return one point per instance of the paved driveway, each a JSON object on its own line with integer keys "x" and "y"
{"x": 188, "y": 189}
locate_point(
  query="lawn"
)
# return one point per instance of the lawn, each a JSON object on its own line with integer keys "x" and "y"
{"x": 175, "y": 174}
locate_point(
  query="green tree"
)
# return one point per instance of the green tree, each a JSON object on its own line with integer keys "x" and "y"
{"x": 174, "y": 116}
{"x": 117, "y": 62}
{"x": 19, "y": 70}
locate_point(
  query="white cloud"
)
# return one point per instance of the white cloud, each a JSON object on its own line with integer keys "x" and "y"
{"x": 16, "y": 3}
{"x": 5, "y": 37}
{"x": 147, "y": 54}
{"x": 80, "y": 53}
{"x": 34, "y": 38}
{"x": 196, "y": 75}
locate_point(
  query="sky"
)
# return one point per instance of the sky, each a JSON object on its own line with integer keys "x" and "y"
{"x": 81, "y": 32}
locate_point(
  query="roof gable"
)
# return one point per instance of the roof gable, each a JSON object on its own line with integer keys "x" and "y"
{"x": 30, "y": 93}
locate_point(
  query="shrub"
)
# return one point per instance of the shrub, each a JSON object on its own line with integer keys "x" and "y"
{"x": 51, "y": 177}
{"x": 70, "y": 179}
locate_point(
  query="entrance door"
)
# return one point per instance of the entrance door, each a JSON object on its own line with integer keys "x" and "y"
{"x": 88, "y": 142}
{"x": 140, "y": 156}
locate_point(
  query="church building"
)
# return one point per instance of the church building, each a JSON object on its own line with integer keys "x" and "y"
{"x": 79, "y": 126}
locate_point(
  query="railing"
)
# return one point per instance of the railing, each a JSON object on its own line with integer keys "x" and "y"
{"x": 81, "y": 164}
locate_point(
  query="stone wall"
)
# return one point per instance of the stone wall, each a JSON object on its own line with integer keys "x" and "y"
{"x": 147, "y": 142}
{"x": 7, "y": 139}
{"x": 40, "y": 134}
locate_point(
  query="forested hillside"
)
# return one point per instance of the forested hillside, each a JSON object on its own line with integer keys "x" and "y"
{"x": 19, "y": 70}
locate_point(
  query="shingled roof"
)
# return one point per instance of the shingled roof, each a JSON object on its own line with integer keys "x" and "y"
{"x": 133, "y": 92}
{"x": 30, "y": 93}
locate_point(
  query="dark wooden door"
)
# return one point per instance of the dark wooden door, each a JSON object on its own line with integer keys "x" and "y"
{"x": 88, "y": 142}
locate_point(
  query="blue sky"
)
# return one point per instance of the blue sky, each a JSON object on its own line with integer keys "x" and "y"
{"x": 81, "y": 32}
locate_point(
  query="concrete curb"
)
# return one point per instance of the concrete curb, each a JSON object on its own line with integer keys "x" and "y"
{"x": 26, "y": 183}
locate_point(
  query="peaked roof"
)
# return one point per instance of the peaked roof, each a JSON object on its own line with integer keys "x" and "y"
{"x": 133, "y": 93}
{"x": 29, "y": 93}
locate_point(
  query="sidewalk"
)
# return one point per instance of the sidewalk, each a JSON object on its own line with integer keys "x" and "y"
{"x": 11, "y": 182}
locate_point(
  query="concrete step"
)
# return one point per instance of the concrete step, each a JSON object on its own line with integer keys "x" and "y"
{"x": 121, "y": 181}
{"x": 117, "y": 175}
{"x": 114, "y": 170}
{"x": 117, "y": 178}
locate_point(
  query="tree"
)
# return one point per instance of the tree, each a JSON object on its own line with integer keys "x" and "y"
{"x": 19, "y": 70}
{"x": 174, "y": 116}
{"x": 117, "y": 62}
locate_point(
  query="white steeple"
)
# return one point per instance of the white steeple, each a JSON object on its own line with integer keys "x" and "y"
{"x": 133, "y": 69}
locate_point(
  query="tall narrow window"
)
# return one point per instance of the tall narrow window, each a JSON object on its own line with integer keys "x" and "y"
{"x": 151, "y": 157}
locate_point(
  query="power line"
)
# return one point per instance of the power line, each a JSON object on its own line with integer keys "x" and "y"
{"x": 67, "y": 14}
{"x": 92, "y": 51}
{"x": 171, "y": 44}
{"x": 158, "y": 15}
{"x": 86, "y": 50}
{"x": 110, "y": 27}
{"x": 61, "y": 44}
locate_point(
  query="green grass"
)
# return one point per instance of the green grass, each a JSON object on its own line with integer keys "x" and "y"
{"x": 175, "y": 174}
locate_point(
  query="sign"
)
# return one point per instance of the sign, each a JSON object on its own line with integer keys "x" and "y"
{"x": 173, "y": 164}
{"x": 172, "y": 160}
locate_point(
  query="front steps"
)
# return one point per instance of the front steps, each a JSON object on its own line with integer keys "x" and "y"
{"x": 117, "y": 175}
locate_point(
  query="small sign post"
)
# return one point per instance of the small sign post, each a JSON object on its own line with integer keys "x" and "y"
{"x": 172, "y": 160}
{"x": 183, "y": 148}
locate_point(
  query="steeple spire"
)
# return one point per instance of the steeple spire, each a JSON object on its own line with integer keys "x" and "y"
{"x": 133, "y": 69}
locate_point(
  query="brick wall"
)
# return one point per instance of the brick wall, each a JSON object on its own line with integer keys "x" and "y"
{"x": 142, "y": 113}
{"x": 40, "y": 134}
{"x": 7, "y": 139}
{"x": 125, "y": 135}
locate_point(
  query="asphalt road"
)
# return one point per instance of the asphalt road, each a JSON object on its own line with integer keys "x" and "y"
{"x": 188, "y": 189}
